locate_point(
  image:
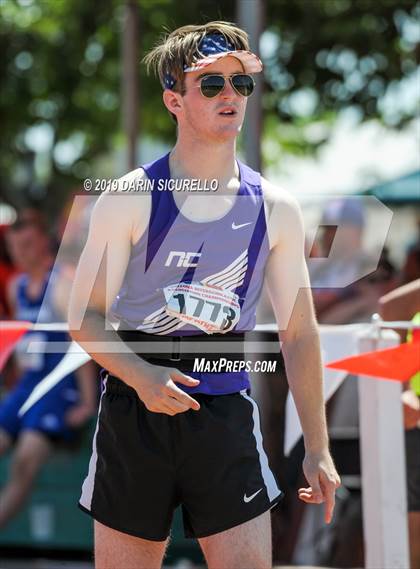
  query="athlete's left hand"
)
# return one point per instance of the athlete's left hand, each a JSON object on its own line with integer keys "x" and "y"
{"x": 79, "y": 414}
{"x": 323, "y": 480}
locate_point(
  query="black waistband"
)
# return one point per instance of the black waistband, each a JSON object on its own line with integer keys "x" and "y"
{"x": 180, "y": 351}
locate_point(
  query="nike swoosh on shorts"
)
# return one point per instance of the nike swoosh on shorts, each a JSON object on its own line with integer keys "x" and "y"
{"x": 249, "y": 498}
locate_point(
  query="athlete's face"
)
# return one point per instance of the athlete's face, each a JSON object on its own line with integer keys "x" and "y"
{"x": 202, "y": 117}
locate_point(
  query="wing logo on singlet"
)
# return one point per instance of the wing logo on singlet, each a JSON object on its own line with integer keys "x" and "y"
{"x": 218, "y": 288}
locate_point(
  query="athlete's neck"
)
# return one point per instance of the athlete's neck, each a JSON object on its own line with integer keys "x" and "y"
{"x": 204, "y": 162}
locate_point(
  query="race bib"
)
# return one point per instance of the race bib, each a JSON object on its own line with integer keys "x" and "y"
{"x": 209, "y": 308}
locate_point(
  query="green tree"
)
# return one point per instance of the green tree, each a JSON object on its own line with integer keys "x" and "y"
{"x": 61, "y": 66}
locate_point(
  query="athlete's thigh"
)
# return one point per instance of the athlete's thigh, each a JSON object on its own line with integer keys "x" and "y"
{"x": 247, "y": 546}
{"x": 115, "y": 549}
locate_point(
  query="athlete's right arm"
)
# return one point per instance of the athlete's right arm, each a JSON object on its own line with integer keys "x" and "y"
{"x": 98, "y": 279}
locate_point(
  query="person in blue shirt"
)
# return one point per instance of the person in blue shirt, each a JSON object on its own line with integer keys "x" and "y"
{"x": 63, "y": 408}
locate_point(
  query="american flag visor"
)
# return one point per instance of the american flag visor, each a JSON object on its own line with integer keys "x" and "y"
{"x": 216, "y": 46}
{"x": 251, "y": 63}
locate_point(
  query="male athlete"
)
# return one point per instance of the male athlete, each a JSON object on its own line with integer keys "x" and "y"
{"x": 182, "y": 273}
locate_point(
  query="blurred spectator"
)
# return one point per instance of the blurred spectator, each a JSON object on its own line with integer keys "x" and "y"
{"x": 7, "y": 270}
{"x": 33, "y": 214}
{"x": 411, "y": 267}
{"x": 357, "y": 301}
{"x": 67, "y": 405}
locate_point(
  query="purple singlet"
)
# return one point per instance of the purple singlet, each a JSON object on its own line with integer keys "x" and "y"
{"x": 185, "y": 278}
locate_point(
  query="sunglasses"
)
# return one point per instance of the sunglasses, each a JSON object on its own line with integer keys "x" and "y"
{"x": 213, "y": 85}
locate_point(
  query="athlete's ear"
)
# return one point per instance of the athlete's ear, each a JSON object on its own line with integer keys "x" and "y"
{"x": 172, "y": 101}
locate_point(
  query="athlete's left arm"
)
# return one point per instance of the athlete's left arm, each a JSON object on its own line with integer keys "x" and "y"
{"x": 288, "y": 286}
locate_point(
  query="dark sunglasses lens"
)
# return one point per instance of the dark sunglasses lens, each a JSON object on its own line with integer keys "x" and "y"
{"x": 212, "y": 85}
{"x": 244, "y": 84}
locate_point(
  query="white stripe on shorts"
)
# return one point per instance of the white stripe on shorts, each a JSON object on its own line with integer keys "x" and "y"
{"x": 269, "y": 480}
{"x": 89, "y": 483}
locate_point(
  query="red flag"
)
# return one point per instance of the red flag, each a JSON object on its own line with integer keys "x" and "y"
{"x": 399, "y": 363}
{"x": 10, "y": 333}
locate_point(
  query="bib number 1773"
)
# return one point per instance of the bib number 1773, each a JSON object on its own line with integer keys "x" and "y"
{"x": 208, "y": 308}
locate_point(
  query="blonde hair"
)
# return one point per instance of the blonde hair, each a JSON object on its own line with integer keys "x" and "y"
{"x": 180, "y": 48}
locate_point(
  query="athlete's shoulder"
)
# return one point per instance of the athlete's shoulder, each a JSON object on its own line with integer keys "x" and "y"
{"x": 133, "y": 181}
{"x": 124, "y": 203}
{"x": 276, "y": 195}
{"x": 283, "y": 212}
{"x": 132, "y": 184}
{"x": 279, "y": 201}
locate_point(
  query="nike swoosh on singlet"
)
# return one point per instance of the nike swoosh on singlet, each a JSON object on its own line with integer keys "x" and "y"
{"x": 249, "y": 498}
{"x": 234, "y": 226}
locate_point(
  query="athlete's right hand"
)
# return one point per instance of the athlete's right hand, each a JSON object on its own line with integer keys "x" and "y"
{"x": 157, "y": 388}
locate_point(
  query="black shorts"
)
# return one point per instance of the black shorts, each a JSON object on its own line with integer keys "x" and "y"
{"x": 412, "y": 450}
{"x": 145, "y": 464}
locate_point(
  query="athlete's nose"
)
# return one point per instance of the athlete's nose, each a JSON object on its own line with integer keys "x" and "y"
{"x": 228, "y": 91}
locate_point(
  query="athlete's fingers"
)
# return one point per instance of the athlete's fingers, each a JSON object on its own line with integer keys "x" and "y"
{"x": 176, "y": 406}
{"x": 308, "y": 495}
{"x": 180, "y": 377}
{"x": 307, "y": 498}
{"x": 329, "y": 506}
{"x": 305, "y": 491}
{"x": 329, "y": 494}
{"x": 165, "y": 409}
{"x": 177, "y": 393}
{"x": 313, "y": 479}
